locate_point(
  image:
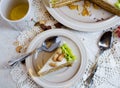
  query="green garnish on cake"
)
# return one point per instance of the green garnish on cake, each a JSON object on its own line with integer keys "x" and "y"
{"x": 117, "y": 4}
{"x": 68, "y": 53}
{"x": 53, "y": 1}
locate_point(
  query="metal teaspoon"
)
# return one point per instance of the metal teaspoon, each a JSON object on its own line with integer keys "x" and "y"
{"x": 44, "y": 47}
{"x": 104, "y": 43}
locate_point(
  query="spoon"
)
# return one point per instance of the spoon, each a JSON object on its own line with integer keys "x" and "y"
{"x": 104, "y": 43}
{"x": 55, "y": 43}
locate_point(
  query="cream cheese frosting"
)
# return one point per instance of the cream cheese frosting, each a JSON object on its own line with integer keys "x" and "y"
{"x": 47, "y": 66}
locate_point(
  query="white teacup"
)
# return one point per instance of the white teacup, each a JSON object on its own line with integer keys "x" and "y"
{"x": 21, "y": 24}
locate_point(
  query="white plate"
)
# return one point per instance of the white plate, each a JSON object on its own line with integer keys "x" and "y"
{"x": 72, "y": 19}
{"x": 65, "y": 76}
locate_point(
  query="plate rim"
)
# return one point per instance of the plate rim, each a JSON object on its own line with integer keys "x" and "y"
{"x": 83, "y": 52}
{"x": 90, "y": 27}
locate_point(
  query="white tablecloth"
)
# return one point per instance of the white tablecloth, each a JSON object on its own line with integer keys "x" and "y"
{"x": 7, "y": 50}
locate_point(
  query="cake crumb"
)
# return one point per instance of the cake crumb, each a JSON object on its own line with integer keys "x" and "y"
{"x": 53, "y": 64}
{"x": 18, "y": 49}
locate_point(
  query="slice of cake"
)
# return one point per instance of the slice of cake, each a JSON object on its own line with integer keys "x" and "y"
{"x": 112, "y": 6}
{"x": 63, "y": 57}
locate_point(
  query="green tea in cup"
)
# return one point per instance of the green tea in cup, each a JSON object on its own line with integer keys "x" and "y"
{"x": 18, "y": 12}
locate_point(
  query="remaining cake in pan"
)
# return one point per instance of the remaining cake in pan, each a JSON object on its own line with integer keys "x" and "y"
{"x": 63, "y": 57}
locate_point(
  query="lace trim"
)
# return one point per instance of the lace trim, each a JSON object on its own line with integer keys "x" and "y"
{"x": 22, "y": 78}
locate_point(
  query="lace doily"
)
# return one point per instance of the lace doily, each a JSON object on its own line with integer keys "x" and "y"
{"x": 108, "y": 71}
{"x": 107, "y": 74}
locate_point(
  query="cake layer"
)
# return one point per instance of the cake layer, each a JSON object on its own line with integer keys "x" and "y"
{"x": 111, "y": 2}
{"x": 55, "y": 69}
{"x": 50, "y": 62}
{"x": 59, "y": 3}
